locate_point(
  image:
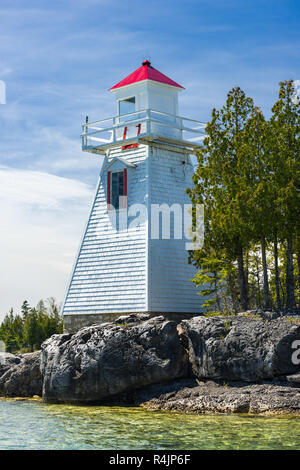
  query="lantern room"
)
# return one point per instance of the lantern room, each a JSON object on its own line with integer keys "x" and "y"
{"x": 147, "y": 109}
{"x": 147, "y": 88}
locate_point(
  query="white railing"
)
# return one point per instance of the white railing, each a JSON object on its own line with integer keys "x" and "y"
{"x": 141, "y": 124}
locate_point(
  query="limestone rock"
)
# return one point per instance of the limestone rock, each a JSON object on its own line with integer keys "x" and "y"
{"x": 7, "y": 360}
{"x": 23, "y": 378}
{"x": 239, "y": 348}
{"x": 212, "y": 397}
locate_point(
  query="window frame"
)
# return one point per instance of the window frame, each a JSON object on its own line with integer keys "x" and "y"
{"x": 126, "y": 99}
{"x": 110, "y": 190}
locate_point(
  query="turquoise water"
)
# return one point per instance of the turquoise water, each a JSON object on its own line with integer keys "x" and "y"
{"x": 35, "y": 425}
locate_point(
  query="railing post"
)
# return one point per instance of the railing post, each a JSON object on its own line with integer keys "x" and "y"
{"x": 148, "y": 123}
{"x": 84, "y": 137}
{"x": 114, "y": 130}
{"x": 180, "y": 125}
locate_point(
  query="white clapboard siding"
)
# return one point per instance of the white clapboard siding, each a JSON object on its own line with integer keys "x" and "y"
{"x": 170, "y": 288}
{"x": 110, "y": 271}
{"x": 118, "y": 272}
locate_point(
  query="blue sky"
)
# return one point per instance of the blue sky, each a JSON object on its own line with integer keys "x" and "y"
{"x": 58, "y": 60}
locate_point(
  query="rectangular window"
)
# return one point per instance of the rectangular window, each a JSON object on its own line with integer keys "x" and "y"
{"x": 126, "y": 106}
{"x": 117, "y": 188}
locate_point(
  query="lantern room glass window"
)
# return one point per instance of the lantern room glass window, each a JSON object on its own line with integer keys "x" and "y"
{"x": 126, "y": 106}
{"x": 117, "y": 188}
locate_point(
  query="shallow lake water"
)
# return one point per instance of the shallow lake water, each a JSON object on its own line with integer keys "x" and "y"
{"x": 29, "y": 424}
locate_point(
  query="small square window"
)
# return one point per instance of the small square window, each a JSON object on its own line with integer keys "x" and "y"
{"x": 127, "y": 106}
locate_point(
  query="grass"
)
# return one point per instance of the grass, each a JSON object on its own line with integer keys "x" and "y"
{"x": 252, "y": 315}
{"x": 122, "y": 325}
{"x": 294, "y": 320}
{"x": 218, "y": 314}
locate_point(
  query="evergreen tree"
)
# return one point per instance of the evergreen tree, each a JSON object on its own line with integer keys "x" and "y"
{"x": 222, "y": 183}
{"x": 261, "y": 206}
{"x": 32, "y": 328}
{"x": 285, "y": 122}
{"x": 25, "y": 309}
{"x": 248, "y": 178}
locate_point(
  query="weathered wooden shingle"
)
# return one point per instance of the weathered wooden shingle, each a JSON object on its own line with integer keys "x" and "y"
{"x": 110, "y": 272}
{"x": 119, "y": 271}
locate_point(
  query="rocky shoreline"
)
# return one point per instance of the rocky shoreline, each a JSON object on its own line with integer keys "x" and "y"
{"x": 210, "y": 397}
{"x": 236, "y": 364}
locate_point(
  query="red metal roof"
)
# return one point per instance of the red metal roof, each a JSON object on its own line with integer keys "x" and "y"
{"x": 146, "y": 72}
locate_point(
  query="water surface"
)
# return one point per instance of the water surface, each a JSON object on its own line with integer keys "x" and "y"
{"x": 34, "y": 425}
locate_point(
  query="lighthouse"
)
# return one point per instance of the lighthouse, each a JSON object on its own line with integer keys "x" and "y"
{"x": 133, "y": 256}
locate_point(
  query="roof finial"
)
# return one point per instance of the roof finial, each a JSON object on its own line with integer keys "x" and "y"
{"x": 146, "y": 62}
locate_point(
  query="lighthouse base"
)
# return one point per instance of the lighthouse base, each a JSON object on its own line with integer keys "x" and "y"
{"x": 73, "y": 323}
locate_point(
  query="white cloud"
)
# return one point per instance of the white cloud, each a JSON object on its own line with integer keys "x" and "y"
{"x": 42, "y": 220}
{"x": 42, "y": 190}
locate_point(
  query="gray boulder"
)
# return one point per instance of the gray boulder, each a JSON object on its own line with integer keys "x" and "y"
{"x": 23, "y": 378}
{"x": 7, "y": 360}
{"x": 101, "y": 361}
{"x": 239, "y": 348}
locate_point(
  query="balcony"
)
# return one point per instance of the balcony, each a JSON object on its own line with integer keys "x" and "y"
{"x": 142, "y": 126}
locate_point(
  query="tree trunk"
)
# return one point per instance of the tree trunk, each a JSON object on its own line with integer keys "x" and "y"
{"x": 232, "y": 292}
{"x": 283, "y": 301}
{"x": 277, "y": 275}
{"x": 246, "y": 271}
{"x": 218, "y": 300}
{"x": 242, "y": 280}
{"x": 258, "y": 283}
{"x": 266, "y": 291}
{"x": 298, "y": 263}
{"x": 290, "y": 287}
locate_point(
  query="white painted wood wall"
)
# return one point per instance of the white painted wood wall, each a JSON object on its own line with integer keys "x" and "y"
{"x": 119, "y": 272}
{"x": 170, "y": 288}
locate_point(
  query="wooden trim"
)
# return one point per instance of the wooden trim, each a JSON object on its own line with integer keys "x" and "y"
{"x": 108, "y": 189}
{"x": 130, "y": 146}
{"x": 125, "y": 187}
